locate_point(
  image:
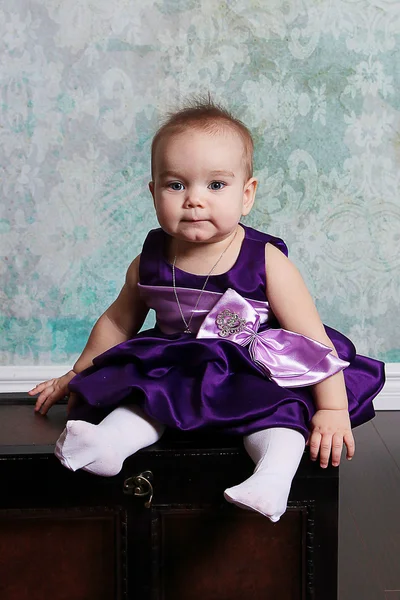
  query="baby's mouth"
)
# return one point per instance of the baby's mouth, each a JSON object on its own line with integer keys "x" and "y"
{"x": 194, "y": 220}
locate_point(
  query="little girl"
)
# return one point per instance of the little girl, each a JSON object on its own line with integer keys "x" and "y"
{"x": 238, "y": 346}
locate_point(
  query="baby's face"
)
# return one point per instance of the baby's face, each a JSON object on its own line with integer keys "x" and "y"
{"x": 200, "y": 189}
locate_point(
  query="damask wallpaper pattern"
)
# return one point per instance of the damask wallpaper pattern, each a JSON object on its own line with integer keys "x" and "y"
{"x": 83, "y": 86}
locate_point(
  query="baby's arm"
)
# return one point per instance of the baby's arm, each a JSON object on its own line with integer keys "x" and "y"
{"x": 117, "y": 324}
{"x": 295, "y": 310}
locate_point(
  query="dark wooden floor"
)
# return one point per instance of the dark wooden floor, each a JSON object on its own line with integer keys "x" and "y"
{"x": 369, "y": 539}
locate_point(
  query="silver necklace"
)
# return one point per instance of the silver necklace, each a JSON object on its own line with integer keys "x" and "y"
{"x": 187, "y": 323}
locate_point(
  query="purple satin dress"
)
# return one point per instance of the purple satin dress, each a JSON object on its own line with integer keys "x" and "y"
{"x": 238, "y": 371}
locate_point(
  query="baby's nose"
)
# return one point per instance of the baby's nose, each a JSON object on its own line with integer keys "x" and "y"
{"x": 193, "y": 199}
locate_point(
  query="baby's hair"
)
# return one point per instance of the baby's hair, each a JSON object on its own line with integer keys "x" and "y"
{"x": 204, "y": 114}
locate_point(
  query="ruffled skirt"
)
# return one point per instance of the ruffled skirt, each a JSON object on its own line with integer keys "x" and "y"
{"x": 212, "y": 385}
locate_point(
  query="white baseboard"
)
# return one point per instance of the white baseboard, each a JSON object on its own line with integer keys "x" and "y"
{"x": 22, "y": 379}
{"x": 389, "y": 397}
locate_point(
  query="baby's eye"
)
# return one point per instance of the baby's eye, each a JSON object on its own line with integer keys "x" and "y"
{"x": 177, "y": 186}
{"x": 216, "y": 185}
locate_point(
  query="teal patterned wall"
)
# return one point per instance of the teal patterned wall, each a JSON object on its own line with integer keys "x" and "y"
{"x": 83, "y": 85}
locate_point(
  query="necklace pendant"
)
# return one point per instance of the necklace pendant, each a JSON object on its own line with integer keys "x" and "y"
{"x": 187, "y": 323}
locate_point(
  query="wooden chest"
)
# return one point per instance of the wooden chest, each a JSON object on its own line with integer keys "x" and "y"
{"x": 76, "y": 536}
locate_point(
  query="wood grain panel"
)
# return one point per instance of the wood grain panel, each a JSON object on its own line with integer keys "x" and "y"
{"x": 57, "y": 556}
{"x": 230, "y": 556}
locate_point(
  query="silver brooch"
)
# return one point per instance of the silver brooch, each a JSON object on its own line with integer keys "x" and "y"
{"x": 229, "y": 323}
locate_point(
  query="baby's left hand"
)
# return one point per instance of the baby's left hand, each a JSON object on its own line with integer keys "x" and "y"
{"x": 329, "y": 430}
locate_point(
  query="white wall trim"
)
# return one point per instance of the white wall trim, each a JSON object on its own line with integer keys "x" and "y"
{"x": 23, "y": 378}
{"x": 389, "y": 397}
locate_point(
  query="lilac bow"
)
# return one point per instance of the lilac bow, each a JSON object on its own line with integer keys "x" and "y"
{"x": 287, "y": 358}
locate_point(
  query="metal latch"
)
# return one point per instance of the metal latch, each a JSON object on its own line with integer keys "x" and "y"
{"x": 140, "y": 485}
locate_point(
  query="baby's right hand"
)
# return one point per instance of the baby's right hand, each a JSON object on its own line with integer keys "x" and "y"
{"x": 51, "y": 391}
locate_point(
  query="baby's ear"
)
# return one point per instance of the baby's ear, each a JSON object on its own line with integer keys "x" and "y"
{"x": 151, "y": 188}
{"x": 249, "y": 193}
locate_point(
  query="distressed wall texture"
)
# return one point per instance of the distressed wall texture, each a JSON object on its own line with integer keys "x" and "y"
{"x": 82, "y": 86}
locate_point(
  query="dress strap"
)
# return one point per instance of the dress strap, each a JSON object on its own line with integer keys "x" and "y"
{"x": 248, "y": 275}
{"x": 151, "y": 256}
{"x": 265, "y": 238}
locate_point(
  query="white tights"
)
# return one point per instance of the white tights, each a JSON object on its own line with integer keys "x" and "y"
{"x": 277, "y": 453}
{"x": 101, "y": 449}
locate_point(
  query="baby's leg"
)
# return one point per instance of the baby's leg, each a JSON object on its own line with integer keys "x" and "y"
{"x": 277, "y": 453}
{"x": 101, "y": 449}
